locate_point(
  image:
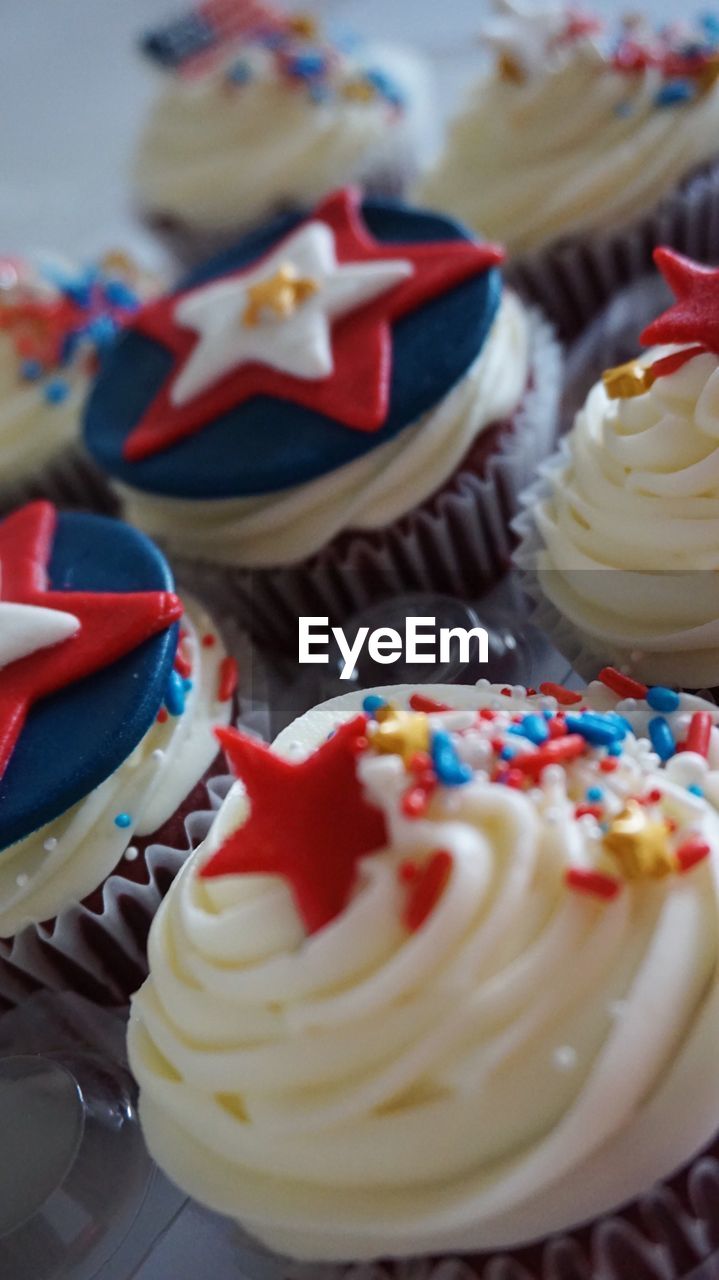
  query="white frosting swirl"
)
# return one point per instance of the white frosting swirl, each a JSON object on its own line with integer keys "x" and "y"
{"x": 65, "y": 860}
{"x": 635, "y": 490}
{"x": 529, "y": 1057}
{"x": 579, "y": 148}
{"x": 216, "y": 156}
{"x": 369, "y": 493}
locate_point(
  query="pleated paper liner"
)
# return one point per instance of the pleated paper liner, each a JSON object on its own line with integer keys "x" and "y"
{"x": 573, "y": 279}
{"x": 70, "y": 480}
{"x": 458, "y": 541}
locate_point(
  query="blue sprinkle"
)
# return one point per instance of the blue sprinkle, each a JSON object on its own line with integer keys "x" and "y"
{"x": 674, "y": 93}
{"x": 187, "y": 684}
{"x": 119, "y": 294}
{"x": 306, "y": 66}
{"x": 594, "y": 794}
{"x": 385, "y": 86}
{"x": 56, "y": 391}
{"x": 450, "y": 770}
{"x": 662, "y": 738}
{"x": 69, "y": 345}
{"x": 175, "y": 694}
{"x": 102, "y": 331}
{"x": 508, "y": 752}
{"x": 597, "y": 730}
{"x": 535, "y": 728}
{"x": 548, "y": 715}
{"x": 123, "y": 820}
{"x": 240, "y": 73}
{"x": 695, "y": 789}
{"x": 614, "y": 749}
{"x": 661, "y": 699}
{"x": 372, "y": 703}
{"x": 31, "y": 370}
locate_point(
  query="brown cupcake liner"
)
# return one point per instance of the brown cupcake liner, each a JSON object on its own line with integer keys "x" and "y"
{"x": 97, "y": 947}
{"x": 458, "y": 541}
{"x": 68, "y": 480}
{"x": 574, "y": 278}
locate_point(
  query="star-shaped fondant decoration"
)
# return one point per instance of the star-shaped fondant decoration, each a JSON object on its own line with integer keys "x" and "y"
{"x": 50, "y": 639}
{"x": 309, "y": 822}
{"x": 332, "y": 353}
{"x": 694, "y": 317}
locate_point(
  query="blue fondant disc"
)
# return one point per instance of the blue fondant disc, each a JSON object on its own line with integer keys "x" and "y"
{"x": 266, "y": 444}
{"x": 74, "y": 739}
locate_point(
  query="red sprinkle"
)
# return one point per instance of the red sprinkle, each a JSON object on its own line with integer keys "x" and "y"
{"x": 420, "y": 702}
{"x": 417, "y": 798}
{"x": 182, "y": 666}
{"x": 588, "y": 810}
{"x": 692, "y": 851}
{"x": 420, "y": 763}
{"x": 208, "y": 640}
{"x": 565, "y": 697}
{"x": 608, "y": 764}
{"x": 699, "y": 733}
{"x": 227, "y": 683}
{"x": 407, "y": 871}
{"x": 593, "y": 882}
{"x": 514, "y": 778}
{"x": 506, "y": 692}
{"x": 671, "y": 825}
{"x": 557, "y": 726}
{"x": 487, "y": 714}
{"x": 161, "y": 716}
{"x": 555, "y": 752}
{"x": 427, "y": 889}
{"x": 621, "y": 684}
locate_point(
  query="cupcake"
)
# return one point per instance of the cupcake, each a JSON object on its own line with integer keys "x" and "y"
{"x": 56, "y": 323}
{"x": 260, "y": 113}
{"x": 583, "y": 148}
{"x": 109, "y": 695}
{"x": 620, "y": 539}
{"x": 443, "y": 980}
{"x": 344, "y": 406}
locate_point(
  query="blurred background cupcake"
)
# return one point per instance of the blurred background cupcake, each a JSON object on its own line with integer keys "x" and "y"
{"x": 621, "y": 537}
{"x": 476, "y": 1012}
{"x": 583, "y": 147}
{"x": 340, "y": 408}
{"x": 56, "y": 323}
{"x": 261, "y": 112}
{"x": 109, "y": 694}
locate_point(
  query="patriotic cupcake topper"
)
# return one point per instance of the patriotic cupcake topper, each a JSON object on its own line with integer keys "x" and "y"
{"x": 87, "y": 645}
{"x": 295, "y": 353}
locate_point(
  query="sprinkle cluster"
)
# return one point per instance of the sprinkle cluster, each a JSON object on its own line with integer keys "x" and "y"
{"x": 304, "y": 58}
{"x": 632, "y": 819}
{"x": 686, "y": 55}
{"x": 57, "y": 319}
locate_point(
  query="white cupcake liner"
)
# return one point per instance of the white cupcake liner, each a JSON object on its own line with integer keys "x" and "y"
{"x": 42, "y": 956}
{"x": 69, "y": 480}
{"x": 574, "y": 278}
{"x": 458, "y": 542}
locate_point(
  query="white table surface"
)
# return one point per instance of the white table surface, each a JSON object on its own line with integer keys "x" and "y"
{"x": 72, "y": 95}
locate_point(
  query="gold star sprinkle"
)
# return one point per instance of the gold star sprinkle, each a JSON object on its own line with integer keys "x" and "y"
{"x": 117, "y": 262}
{"x": 640, "y": 844}
{"x": 401, "y": 733}
{"x": 304, "y": 26}
{"x": 358, "y": 91}
{"x": 280, "y": 295}
{"x": 627, "y": 380}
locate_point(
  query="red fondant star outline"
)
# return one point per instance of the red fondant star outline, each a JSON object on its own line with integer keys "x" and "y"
{"x": 309, "y": 823}
{"x": 356, "y": 393}
{"x": 111, "y": 625}
{"x": 693, "y": 318}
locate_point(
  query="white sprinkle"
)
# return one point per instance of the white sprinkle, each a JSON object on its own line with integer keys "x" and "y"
{"x": 50, "y": 844}
{"x": 565, "y": 1057}
{"x": 22, "y": 880}
{"x": 131, "y": 853}
{"x": 158, "y": 754}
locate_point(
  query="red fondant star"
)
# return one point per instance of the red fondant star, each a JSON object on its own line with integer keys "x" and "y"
{"x": 356, "y": 393}
{"x": 111, "y": 625}
{"x": 309, "y": 823}
{"x": 694, "y": 317}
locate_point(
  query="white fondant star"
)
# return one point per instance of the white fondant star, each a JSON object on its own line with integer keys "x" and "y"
{"x": 524, "y": 32}
{"x": 299, "y": 344}
{"x": 25, "y": 628}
